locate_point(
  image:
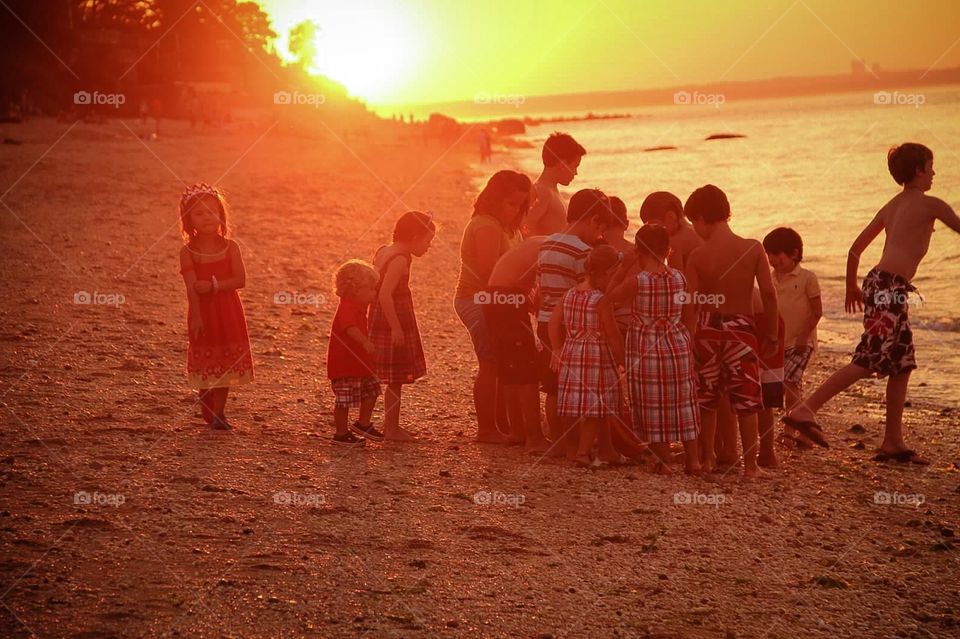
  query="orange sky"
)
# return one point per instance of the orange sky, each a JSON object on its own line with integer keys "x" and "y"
{"x": 417, "y": 51}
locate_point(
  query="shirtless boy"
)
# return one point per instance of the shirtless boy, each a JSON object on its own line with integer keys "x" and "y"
{"x": 508, "y": 313}
{"x": 728, "y": 343}
{"x": 886, "y": 347}
{"x": 561, "y": 158}
{"x": 665, "y": 208}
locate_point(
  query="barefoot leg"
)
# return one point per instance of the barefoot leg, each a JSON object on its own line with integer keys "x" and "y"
{"x": 896, "y": 397}
{"x": 749, "y": 437}
{"x": 807, "y": 409}
{"x": 708, "y": 456}
{"x": 691, "y": 459}
{"x": 768, "y": 456}
{"x": 529, "y": 398}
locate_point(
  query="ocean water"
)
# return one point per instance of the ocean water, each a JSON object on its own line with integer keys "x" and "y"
{"x": 817, "y": 164}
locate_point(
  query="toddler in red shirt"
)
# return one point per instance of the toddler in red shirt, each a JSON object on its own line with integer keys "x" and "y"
{"x": 350, "y": 354}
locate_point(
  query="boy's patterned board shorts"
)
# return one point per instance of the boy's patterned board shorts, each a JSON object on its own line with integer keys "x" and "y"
{"x": 350, "y": 392}
{"x": 795, "y": 360}
{"x": 726, "y": 352}
{"x": 886, "y": 346}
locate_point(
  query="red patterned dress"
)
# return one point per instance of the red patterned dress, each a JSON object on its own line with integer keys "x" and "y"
{"x": 659, "y": 361}
{"x": 402, "y": 364}
{"x": 589, "y": 383}
{"x": 220, "y": 356}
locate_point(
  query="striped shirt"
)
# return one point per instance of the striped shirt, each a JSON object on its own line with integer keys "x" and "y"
{"x": 561, "y": 265}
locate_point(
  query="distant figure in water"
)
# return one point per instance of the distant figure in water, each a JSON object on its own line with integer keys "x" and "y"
{"x": 350, "y": 354}
{"x": 886, "y": 348}
{"x": 485, "y": 148}
{"x": 397, "y": 347}
{"x": 218, "y": 356}
{"x": 561, "y": 158}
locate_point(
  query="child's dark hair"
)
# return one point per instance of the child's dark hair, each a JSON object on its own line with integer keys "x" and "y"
{"x": 905, "y": 160}
{"x": 561, "y": 147}
{"x": 499, "y": 186}
{"x": 619, "y": 210}
{"x": 657, "y": 204}
{"x": 199, "y": 195}
{"x": 784, "y": 240}
{"x": 586, "y": 203}
{"x": 709, "y": 204}
{"x": 654, "y": 240}
{"x": 601, "y": 259}
{"x": 412, "y": 225}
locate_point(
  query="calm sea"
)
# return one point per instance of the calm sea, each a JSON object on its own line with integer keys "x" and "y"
{"x": 817, "y": 164}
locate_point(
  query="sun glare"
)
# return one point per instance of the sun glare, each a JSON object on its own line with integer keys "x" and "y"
{"x": 371, "y": 49}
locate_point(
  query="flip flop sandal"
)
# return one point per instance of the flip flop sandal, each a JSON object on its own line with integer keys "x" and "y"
{"x": 901, "y": 457}
{"x": 809, "y": 429}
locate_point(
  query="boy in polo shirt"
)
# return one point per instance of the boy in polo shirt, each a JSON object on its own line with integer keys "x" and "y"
{"x": 798, "y": 294}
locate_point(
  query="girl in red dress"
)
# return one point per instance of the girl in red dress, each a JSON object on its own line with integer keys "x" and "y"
{"x": 218, "y": 356}
{"x": 397, "y": 349}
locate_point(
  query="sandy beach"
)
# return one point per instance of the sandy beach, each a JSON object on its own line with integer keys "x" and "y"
{"x": 122, "y": 515}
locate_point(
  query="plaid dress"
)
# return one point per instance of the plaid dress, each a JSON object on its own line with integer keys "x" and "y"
{"x": 659, "y": 360}
{"x": 402, "y": 364}
{"x": 589, "y": 383}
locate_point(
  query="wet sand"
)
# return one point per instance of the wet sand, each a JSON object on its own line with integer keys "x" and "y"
{"x": 123, "y": 515}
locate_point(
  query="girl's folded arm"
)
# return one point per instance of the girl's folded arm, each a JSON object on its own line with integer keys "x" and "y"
{"x": 611, "y": 330}
{"x": 239, "y": 278}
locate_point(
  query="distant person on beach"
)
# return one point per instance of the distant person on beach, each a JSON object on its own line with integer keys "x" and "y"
{"x": 510, "y": 304}
{"x": 728, "y": 343}
{"x": 398, "y": 350}
{"x": 798, "y": 298}
{"x": 493, "y": 229}
{"x": 218, "y": 356}
{"x": 350, "y": 355}
{"x": 587, "y": 351}
{"x": 561, "y": 157}
{"x": 560, "y": 267}
{"x": 665, "y": 208}
{"x": 483, "y": 140}
{"x": 886, "y": 348}
{"x": 659, "y": 352}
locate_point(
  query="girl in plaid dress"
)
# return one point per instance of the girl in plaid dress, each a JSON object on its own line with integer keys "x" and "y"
{"x": 397, "y": 349}
{"x": 659, "y": 352}
{"x": 590, "y": 348}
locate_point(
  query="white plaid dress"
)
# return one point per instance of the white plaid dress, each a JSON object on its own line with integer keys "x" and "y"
{"x": 659, "y": 361}
{"x": 589, "y": 381}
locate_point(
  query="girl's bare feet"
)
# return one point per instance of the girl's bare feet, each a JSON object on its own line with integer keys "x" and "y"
{"x": 755, "y": 473}
{"x": 399, "y": 435}
{"x": 768, "y": 460}
{"x": 693, "y": 470}
{"x": 490, "y": 437}
{"x": 582, "y": 460}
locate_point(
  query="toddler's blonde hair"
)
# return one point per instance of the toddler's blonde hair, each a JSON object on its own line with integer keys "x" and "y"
{"x": 353, "y": 274}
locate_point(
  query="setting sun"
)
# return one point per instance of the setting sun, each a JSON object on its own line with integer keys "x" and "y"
{"x": 371, "y": 49}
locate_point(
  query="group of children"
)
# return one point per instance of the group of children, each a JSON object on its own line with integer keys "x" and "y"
{"x": 682, "y": 335}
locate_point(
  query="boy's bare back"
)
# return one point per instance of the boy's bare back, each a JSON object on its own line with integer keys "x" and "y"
{"x": 682, "y": 243}
{"x": 518, "y": 266}
{"x": 727, "y": 266}
{"x": 908, "y": 221}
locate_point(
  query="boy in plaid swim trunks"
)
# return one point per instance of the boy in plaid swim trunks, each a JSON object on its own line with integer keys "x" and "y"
{"x": 350, "y": 354}
{"x": 886, "y": 347}
{"x": 728, "y": 343}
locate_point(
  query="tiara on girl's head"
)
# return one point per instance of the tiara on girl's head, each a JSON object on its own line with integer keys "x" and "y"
{"x": 201, "y": 188}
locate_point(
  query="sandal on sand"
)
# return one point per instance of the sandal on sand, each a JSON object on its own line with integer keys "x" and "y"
{"x": 809, "y": 429}
{"x": 901, "y": 457}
